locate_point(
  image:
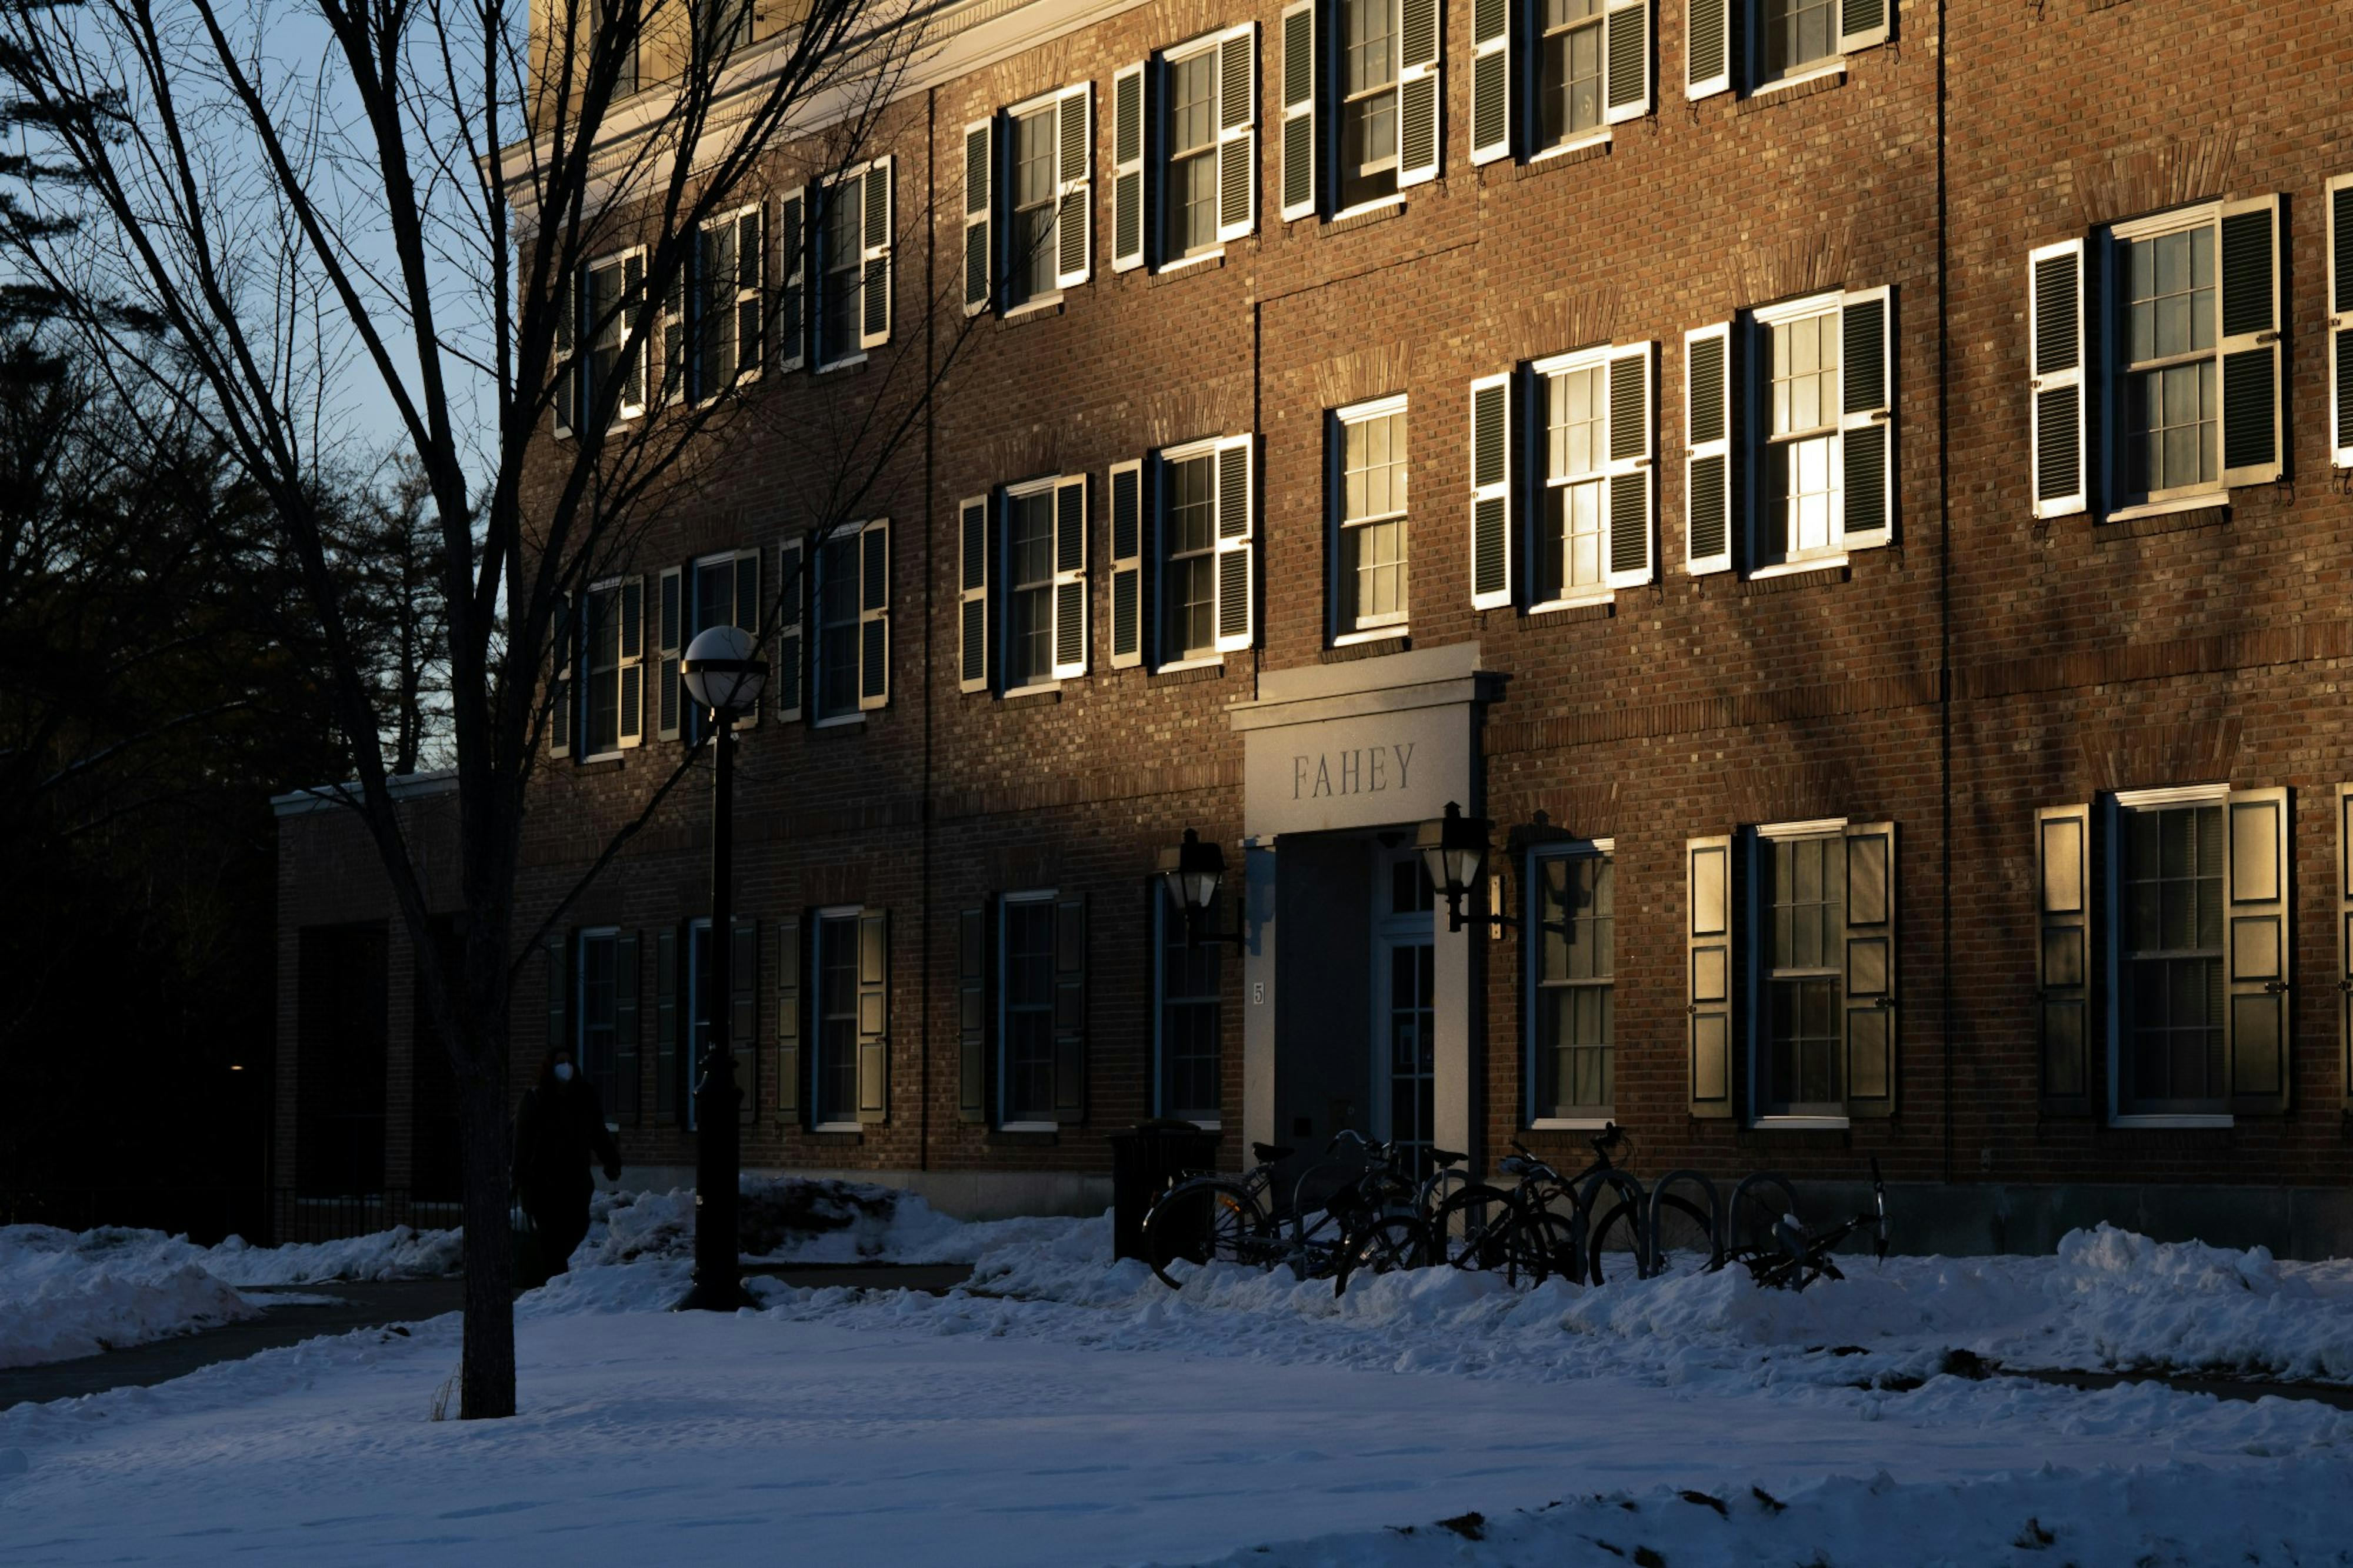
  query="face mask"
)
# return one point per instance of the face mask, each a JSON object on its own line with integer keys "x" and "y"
{"x": 563, "y": 1072}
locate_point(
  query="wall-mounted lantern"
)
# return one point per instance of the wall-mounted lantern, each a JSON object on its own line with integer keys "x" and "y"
{"x": 1193, "y": 871}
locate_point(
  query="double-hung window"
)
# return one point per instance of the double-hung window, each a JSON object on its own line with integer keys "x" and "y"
{"x": 1571, "y": 976}
{"x": 851, "y": 603}
{"x": 1192, "y": 561}
{"x": 1790, "y": 973}
{"x": 716, "y": 590}
{"x": 1583, "y": 525}
{"x": 600, "y": 342}
{"x": 1192, "y": 178}
{"x": 599, "y": 688}
{"x": 1040, "y": 1012}
{"x": 1790, "y": 426}
{"x": 600, "y": 1015}
{"x": 1191, "y": 184}
{"x": 2163, "y": 923}
{"x": 1027, "y": 224}
{"x": 729, "y": 293}
{"x": 850, "y": 267}
{"x": 1754, "y": 46}
{"x": 1186, "y": 1016}
{"x": 1368, "y": 582}
{"x": 1550, "y": 75}
{"x": 1361, "y": 102}
{"x": 2180, "y": 396}
{"x": 1022, "y": 608}
{"x": 833, "y": 1032}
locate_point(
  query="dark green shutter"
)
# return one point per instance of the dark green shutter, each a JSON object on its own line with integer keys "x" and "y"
{"x": 1071, "y": 1009}
{"x": 972, "y": 1014}
{"x": 1708, "y": 915}
{"x": 667, "y": 1102}
{"x": 559, "y": 992}
{"x": 626, "y": 1086}
{"x": 2258, "y": 944}
{"x": 744, "y": 1013}
{"x": 1870, "y": 970}
{"x": 788, "y": 1020}
{"x": 874, "y": 1017}
{"x": 2062, "y": 957}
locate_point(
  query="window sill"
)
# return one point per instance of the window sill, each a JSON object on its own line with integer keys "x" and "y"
{"x": 1800, "y": 566}
{"x": 1820, "y": 79}
{"x": 2204, "y": 498}
{"x": 1595, "y": 144}
{"x": 1607, "y": 597}
{"x": 1047, "y": 305}
{"x": 1570, "y": 1123}
{"x": 852, "y": 361}
{"x": 1045, "y": 691}
{"x": 851, "y": 1127}
{"x": 1176, "y": 666}
{"x": 2127, "y": 1121}
{"x": 1801, "y": 1124}
{"x": 1364, "y": 213}
{"x": 1371, "y": 634}
{"x": 1207, "y": 259}
{"x": 1030, "y": 1127}
{"x": 838, "y": 722}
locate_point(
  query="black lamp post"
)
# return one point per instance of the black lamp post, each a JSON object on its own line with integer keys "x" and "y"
{"x": 723, "y": 679}
{"x": 1192, "y": 871}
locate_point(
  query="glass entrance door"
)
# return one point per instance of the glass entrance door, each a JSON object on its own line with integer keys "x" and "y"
{"x": 1405, "y": 1018}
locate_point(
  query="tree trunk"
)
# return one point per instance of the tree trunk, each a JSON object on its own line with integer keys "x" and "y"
{"x": 487, "y": 1375}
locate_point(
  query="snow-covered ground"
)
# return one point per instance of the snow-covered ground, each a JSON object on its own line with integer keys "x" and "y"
{"x": 1065, "y": 1408}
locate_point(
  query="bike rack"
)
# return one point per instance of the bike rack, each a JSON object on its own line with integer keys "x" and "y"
{"x": 1628, "y": 1188}
{"x": 1716, "y": 1219}
{"x": 1757, "y": 1179}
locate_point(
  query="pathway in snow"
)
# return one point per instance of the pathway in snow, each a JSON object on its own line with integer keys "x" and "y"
{"x": 645, "y": 1436}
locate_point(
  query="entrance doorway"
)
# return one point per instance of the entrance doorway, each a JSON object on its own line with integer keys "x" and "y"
{"x": 1403, "y": 1006}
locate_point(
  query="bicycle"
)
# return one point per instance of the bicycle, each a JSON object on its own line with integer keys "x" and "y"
{"x": 1371, "y": 1220}
{"x": 1791, "y": 1255}
{"x": 1520, "y": 1233}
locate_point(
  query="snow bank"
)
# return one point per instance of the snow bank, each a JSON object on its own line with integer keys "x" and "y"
{"x": 76, "y": 1293}
{"x": 2146, "y": 1516}
{"x": 790, "y": 1219}
{"x": 64, "y": 1295}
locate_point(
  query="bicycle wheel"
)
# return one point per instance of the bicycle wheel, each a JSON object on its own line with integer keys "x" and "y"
{"x": 1198, "y": 1221}
{"x": 1761, "y": 1205}
{"x": 1537, "y": 1243}
{"x": 1468, "y": 1228}
{"x": 1621, "y": 1241}
{"x": 1390, "y": 1242}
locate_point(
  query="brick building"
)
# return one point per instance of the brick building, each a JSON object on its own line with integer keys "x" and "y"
{"x": 1876, "y": 481}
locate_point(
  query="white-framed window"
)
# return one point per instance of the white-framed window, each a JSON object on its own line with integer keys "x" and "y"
{"x": 1043, "y": 582}
{"x": 1188, "y": 1017}
{"x": 1551, "y": 75}
{"x": 1821, "y": 436}
{"x": 612, "y": 675}
{"x": 2171, "y": 326}
{"x": 1028, "y": 221}
{"x": 729, "y": 300}
{"x": 725, "y": 25}
{"x": 833, "y": 1013}
{"x": 1581, "y": 425}
{"x": 1755, "y": 46}
{"x": 1369, "y": 553}
{"x": 851, "y": 602}
{"x": 1803, "y": 1031}
{"x": 598, "y": 342}
{"x": 722, "y": 588}
{"x": 1362, "y": 103}
{"x": 1042, "y": 1009}
{"x": 1571, "y": 969}
{"x": 1205, "y": 563}
{"x": 1189, "y": 216}
{"x": 851, "y": 266}
{"x": 597, "y": 1013}
{"x": 2190, "y": 924}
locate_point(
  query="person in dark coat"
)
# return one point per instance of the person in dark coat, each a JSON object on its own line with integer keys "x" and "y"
{"x": 561, "y": 1124}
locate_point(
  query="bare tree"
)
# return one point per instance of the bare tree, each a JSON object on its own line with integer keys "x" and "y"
{"x": 331, "y": 204}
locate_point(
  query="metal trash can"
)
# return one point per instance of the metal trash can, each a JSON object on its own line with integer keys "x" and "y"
{"x": 1146, "y": 1160}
